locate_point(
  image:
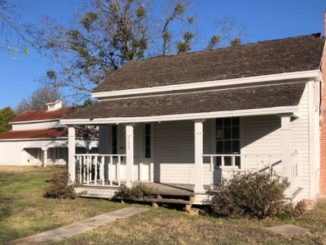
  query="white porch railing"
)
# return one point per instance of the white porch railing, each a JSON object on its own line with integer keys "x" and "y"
{"x": 99, "y": 169}
{"x": 223, "y": 160}
{"x": 230, "y": 164}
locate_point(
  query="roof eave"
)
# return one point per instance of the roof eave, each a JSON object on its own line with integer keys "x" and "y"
{"x": 293, "y": 110}
{"x": 292, "y": 76}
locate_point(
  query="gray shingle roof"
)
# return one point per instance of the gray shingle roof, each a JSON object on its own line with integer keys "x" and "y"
{"x": 196, "y": 102}
{"x": 262, "y": 58}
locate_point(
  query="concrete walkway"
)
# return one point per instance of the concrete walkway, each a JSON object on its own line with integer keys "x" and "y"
{"x": 288, "y": 230}
{"x": 78, "y": 227}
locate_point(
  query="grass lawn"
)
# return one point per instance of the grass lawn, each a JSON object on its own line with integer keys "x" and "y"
{"x": 163, "y": 226}
{"x": 23, "y": 211}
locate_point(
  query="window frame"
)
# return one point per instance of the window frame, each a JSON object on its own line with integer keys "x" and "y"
{"x": 230, "y": 133}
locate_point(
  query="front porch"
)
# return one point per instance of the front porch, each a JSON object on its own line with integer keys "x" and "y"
{"x": 187, "y": 157}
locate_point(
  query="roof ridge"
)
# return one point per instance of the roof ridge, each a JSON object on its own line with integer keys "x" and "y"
{"x": 315, "y": 35}
{"x": 276, "y": 56}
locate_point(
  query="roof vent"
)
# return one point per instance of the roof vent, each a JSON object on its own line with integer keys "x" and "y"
{"x": 56, "y": 105}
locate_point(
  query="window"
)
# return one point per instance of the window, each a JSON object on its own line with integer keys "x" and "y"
{"x": 114, "y": 139}
{"x": 147, "y": 141}
{"x": 228, "y": 139}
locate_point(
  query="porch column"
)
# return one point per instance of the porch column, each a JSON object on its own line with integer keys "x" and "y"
{"x": 71, "y": 153}
{"x": 286, "y": 151}
{"x": 130, "y": 153}
{"x": 45, "y": 156}
{"x": 199, "y": 169}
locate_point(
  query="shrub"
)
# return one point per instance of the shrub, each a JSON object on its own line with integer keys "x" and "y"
{"x": 59, "y": 187}
{"x": 137, "y": 191}
{"x": 294, "y": 211}
{"x": 254, "y": 195}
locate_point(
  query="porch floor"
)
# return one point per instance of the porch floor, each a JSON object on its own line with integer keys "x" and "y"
{"x": 161, "y": 189}
{"x": 170, "y": 189}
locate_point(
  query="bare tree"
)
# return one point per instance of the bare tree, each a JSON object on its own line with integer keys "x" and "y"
{"x": 15, "y": 37}
{"x": 228, "y": 33}
{"x": 111, "y": 33}
{"x": 39, "y": 98}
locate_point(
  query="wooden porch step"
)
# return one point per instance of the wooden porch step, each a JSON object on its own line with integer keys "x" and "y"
{"x": 96, "y": 191}
{"x": 164, "y": 200}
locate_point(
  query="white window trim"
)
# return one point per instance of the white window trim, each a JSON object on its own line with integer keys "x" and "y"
{"x": 315, "y": 74}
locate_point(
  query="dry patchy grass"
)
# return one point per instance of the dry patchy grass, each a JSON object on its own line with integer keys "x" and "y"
{"x": 20, "y": 169}
{"x": 163, "y": 226}
{"x": 24, "y": 211}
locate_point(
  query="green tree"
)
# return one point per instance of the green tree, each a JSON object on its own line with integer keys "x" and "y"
{"x": 6, "y": 115}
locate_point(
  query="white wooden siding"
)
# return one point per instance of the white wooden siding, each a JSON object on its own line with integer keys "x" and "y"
{"x": 174, "y": 151}
{"x": 300, "y": 142}
{"x": 261, "y": 136}
{"x": 173, "y": 145}
{"x": 36, "y": 125}
{"x": 17, "y": 154}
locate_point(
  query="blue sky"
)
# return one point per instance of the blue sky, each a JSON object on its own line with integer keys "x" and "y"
{"x": 263, "y": 20}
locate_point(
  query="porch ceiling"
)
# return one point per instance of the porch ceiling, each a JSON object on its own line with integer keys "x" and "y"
{"x": 197, "y": 102}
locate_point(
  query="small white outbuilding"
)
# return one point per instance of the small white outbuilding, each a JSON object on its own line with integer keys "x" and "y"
{"x": 38, "y": 138}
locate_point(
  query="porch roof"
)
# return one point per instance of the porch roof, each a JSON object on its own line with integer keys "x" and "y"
{"x": 281, "y": 95}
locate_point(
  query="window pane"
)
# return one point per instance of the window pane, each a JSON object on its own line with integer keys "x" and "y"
{"x": 235, "y": 133}
{"x": 219, "y": 133}
{"x": 219, "y": 147}
{"x": 236, "y": 146}
{"x": 227, "y": 133}
{"x": 227, "y": 147}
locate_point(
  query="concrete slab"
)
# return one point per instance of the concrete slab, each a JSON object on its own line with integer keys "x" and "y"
{"x": 78, "y": 227}
{"x": 288, "y": 230}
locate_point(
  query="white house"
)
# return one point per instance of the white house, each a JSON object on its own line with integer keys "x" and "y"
{"x": 38, "y": 138}
{"x": 189, "y": 121}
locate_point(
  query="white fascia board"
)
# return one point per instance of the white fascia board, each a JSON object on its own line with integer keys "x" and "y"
{"x": 46, "y": 139}
{"x": 34, "y": 139}
{"x": 179, "y": 117}
{"x": 315, "y": 74}
{"x": 34, "y": 121}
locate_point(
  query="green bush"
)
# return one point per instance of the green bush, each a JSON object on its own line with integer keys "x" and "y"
{"x": 59, "y": 187}
{"x": 137, "y": 191}
{"x": 254, "y": 195}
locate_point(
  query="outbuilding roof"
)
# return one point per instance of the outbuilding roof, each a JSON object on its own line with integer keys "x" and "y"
{"x": 37, "y": 115}
{"x": 263, "y": 58}
{"x": 50, "y": 133}
{"x": 196, "y": 102}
